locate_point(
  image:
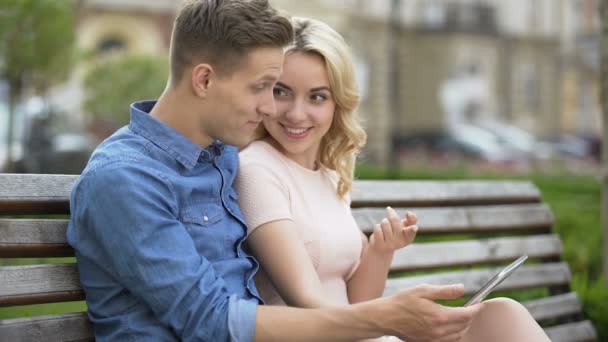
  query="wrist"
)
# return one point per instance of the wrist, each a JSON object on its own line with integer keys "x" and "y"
{"x": 381, "y": 255}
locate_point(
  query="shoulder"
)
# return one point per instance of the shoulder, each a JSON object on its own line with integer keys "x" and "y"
{"x": 119, "y": 167}
{"x": 260, "y": 154}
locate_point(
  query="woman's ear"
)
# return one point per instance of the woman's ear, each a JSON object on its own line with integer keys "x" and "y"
{"x": 201, "y": 79}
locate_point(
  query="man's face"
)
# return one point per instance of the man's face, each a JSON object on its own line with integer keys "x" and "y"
{"x": 241, "y": 100}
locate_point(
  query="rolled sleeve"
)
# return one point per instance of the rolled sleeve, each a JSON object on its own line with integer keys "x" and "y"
{"x": 241, "y": 319}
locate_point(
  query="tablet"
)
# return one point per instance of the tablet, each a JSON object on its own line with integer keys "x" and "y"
{"x": 497, "y": 279}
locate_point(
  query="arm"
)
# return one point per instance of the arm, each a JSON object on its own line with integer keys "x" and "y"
{"x": 369, "y": 279}
{"x": 265, "y": 202}
{"x": 125, "y": 215}
{"x": 283, "y": 256}
{"x": 410, "y": 314}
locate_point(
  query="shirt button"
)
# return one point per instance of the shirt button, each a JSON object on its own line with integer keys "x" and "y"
{"x": 205, "y": 218}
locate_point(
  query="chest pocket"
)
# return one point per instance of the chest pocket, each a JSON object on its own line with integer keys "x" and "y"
{"x": 205, "y": 222}
{"x": 203, "y": 214}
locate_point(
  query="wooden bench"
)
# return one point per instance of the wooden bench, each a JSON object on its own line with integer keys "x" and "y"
{"x": 489, "y": 222}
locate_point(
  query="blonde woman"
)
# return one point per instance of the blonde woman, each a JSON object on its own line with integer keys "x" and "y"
{"x": 294, "y": 184}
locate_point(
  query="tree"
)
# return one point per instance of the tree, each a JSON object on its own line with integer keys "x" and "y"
{"x": 115, "y": 82}
{"x": 36, "y": 49}
{"x": 604, "y": 104}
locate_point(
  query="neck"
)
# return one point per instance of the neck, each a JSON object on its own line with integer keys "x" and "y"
{"x": 307, "y": 161}
{"x": 181, "y": 112}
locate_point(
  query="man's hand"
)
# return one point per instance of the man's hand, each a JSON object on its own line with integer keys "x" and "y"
{"x": 414, "y": 315}
{"x": 393, "y": 233}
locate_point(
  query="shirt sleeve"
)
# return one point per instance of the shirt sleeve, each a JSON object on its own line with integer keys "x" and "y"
{"x": 263, "y": 197}
{"x": 125, "y": 218}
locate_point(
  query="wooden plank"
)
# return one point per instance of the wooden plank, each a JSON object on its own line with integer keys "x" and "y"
{"x": 530, "y": 276}
{"x": 421, "y": 256}
{"x": 64, "y": 327}
{"x": 572, "y": 332}
{"x": 475, "y": 219}
{"x": 26, "y": 193}
{"x": 36, "y": 284}
{"x": 553, "y": 307}
{"x": 27, "y": 238}
{"x": 441, "y": 193}
{"x": 35, "y": 194}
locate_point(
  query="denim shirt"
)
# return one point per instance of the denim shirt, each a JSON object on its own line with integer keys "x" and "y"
{"x": 158, "y": 237}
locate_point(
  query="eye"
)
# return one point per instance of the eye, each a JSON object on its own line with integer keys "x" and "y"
{"x": 261, "y": 86}
{"x": 279, "y": 92}
{"x": 318, "y": 98}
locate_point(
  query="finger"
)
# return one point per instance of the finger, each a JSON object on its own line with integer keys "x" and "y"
{"x": 452, "y": 328}
{"x": 409, "y": 232}
{"x": 387, "y": 231}
{"x": 454, "y": 337}
{"x": 410, "y": 218}
{"x": 394, "y": 219}
{"x": 462, "y": 314}
{"x": 436, "y": 292}
{"x": 378, "y": 235}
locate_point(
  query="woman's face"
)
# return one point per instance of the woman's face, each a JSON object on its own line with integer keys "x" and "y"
{"x": 305, "y": 108}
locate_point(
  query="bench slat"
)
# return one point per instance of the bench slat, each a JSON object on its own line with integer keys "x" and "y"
{"x": 27, "y": 238}
{"x": 35, "y": 194}
{"x": 430, "y": 255}
{"x": 441, "y": 193}
{"x": 29, "y": 193}
{"x": 39, "y": 238}
{"x": 541, "y": 275}
{"x": 554, "y": 307}
{"x": 75, "y": 326}
{"x": 37, "y": 284}
{"x": 572, "y": 332}
{"x": 475, "y": 219}
{"x": 64, "y": 327}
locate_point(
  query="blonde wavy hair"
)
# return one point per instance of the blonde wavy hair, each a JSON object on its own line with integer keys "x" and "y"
{"x": 345, "y": 138}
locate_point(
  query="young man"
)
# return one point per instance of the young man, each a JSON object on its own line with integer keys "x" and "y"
{"x": 155, "y": 223}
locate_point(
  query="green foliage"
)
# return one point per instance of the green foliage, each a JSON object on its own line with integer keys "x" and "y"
{"x": 37, "y": 41}
{"x": 594, "y": 296}
{"x": 114, "y": 83}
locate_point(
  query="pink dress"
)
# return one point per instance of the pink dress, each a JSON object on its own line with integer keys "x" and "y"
{"x": 273, "y": 187}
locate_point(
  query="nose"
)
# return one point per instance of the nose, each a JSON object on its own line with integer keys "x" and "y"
{"x": 295, "y": 112}
{"x": 268, "y": 106}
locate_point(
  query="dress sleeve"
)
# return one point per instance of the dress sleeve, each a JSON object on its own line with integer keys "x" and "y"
{"x": 263, "y": 195}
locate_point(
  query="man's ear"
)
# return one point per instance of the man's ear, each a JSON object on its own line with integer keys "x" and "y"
{"x": 201, "y": 79}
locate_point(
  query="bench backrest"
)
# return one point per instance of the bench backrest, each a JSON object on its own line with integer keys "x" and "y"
{"x": 467, "y": 230}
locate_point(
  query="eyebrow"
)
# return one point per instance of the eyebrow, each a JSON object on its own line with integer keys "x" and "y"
{"x": 283, "y": 85}
{"x": 268, "y": 78}
{"x": 321, "y": 88}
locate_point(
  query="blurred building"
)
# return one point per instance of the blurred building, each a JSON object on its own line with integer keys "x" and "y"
{"x": 424, "y": 65}
{"x": 105, "y": 27}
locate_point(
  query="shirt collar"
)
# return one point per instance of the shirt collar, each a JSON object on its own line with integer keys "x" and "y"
{"x": 167, "y": 138}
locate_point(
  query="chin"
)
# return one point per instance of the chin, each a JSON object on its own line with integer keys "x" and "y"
{"x": 240, "y": 142}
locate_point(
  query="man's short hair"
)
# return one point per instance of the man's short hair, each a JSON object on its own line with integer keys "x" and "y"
{"x": 222, "y": 32}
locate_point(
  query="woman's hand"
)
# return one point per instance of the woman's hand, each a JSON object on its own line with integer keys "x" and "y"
{"x": 393, "y": 232}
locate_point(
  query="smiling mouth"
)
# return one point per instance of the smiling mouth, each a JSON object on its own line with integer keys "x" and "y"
{"x": 296, "y": 132}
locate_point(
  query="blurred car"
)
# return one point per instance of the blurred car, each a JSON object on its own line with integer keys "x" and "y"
{"x": 465, "y": 141}
{"x": 520, "y": 140}
{"x": 41, "y": 144}
{"x": 579, "y": 147}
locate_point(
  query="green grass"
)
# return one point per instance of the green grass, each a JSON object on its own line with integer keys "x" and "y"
{"x": 575, "y": 201}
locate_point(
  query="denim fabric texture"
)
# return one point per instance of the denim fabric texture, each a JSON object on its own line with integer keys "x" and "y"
{"x": 158, "y": 237}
